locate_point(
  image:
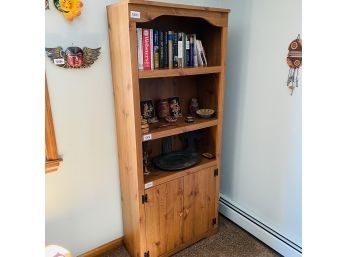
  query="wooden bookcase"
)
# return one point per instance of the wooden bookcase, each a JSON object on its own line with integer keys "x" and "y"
{"x": 165, "y": 212}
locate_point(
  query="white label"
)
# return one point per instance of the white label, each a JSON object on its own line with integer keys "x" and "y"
{"x": 187, "y": 45}
{"x": 148, "y": 185}
{"x": 147, "y": 137}
{"x": 58, "y": 61}
{"x": 135, "y": 14}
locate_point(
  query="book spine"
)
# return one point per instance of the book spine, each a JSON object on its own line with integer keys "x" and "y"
{"x": 195, "y": 52}
{"x": 180, "y": 50}
{"x": 156, "y": 48}
{"x": 165, "y": 49}
{"x": 146, "y": 49}
{"x": 161, "y": 48}
{"x": 170, "y": 49}
{"x": 199, "y": 53}
{"x": 140, "y": 48}
{"x": 203, "y": 54}
{"x": 184, "y": 60}
{"x": 187, "y": 51}
{"x": 175, "y": 50}
{"x": 151, "y": 49}
{"x": 191, "y": 53}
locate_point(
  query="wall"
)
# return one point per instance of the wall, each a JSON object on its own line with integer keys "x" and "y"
{"x": 261, "y": 135}
{"x": 83, "y": 208}
{"x": 261, "y": 163}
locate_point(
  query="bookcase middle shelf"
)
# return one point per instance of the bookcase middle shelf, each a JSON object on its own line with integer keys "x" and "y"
{"x": 157, "y": 131}
{"x": 160, "y": 73}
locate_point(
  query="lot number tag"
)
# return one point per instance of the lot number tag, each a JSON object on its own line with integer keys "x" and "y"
{"x": 147, "y": 137}
{"x": 135, "y": 14}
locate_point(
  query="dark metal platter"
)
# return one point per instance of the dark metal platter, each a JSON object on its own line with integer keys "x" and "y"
{"x": 176, "y": 160}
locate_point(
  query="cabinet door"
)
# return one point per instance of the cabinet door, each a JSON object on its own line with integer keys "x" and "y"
{"x": 164, "y": 217}
{"x": 200, "y": 198}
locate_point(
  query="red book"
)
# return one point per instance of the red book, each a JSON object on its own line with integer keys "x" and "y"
{"x": 146, "y": 49}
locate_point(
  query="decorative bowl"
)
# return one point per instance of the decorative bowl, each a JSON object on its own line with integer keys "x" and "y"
{"x": 205, "y": 113}
{"x": 171, "y": 119}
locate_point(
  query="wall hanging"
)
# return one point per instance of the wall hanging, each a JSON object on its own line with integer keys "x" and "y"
{"x": 294, "y": 61}
{"x": 73, "y": 57}
{"x": 69, "y": 8}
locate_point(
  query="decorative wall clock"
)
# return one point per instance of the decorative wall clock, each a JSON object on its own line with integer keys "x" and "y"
{"x": 73, "y": 57}
{"x": 69, "y": 8}
{"x": 294, "y": 61}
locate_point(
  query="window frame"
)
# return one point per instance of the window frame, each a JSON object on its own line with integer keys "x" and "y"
{"x": 52, "y": 158}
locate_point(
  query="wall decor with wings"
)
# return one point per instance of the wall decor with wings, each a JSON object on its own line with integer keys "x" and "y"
{"x": 73, "y": 57}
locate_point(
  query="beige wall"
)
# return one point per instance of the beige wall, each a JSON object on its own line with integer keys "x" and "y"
{"x": 83, "y": 207}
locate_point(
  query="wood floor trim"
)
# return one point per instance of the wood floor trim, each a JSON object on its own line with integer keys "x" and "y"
{"x": 103, "y": 248}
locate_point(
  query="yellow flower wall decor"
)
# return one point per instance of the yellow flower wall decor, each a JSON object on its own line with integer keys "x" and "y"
{"x": 69, "y": 8}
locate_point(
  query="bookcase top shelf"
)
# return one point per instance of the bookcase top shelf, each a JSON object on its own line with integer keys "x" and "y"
{"x": 145, "y": 74}
{"x": 179, "y": 127}
{"x": 170, "y": 5}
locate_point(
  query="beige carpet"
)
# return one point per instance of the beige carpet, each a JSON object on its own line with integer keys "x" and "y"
{"x": 230, "y": 241}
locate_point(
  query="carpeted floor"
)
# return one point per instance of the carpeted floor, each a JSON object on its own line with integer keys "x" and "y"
{"x": 230, "y": 241}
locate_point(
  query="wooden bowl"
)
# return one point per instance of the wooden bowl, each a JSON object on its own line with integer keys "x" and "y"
{"x": 205, "y": 113}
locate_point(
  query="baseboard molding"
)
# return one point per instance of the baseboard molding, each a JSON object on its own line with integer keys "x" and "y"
{"x": 261, "y": 231}
{"x": 103, "y": 248}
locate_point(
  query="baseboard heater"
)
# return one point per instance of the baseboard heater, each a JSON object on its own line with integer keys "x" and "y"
{"x": 261, "y": 231}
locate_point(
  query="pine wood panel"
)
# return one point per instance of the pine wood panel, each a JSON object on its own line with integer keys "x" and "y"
{"x": 199, "y": 203}
{"x": 126, "y": 92}
{"x": 150, "y": 12}
{"x": 179, "y": 127}
{"x": 52, "y": 158}
{"x": 158, "y": 177}
{"x": 183, "y": 6}
{"x": 103, "y": 248}
{"x": 178, "y": 72}
{"x": 164, "y": 217}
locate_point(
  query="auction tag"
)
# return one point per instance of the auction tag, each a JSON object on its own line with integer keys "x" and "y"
{"x": 147, "y": 137}
{"x": 148, "y": 185}
{"x": 59, "y": 61}
{"x": 135, "y": 14}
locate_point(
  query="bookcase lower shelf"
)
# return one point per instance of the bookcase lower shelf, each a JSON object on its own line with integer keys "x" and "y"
{"x": 158, "y": 177}
{"x": 145, "y": 74}
{"x": 157, "y": 131}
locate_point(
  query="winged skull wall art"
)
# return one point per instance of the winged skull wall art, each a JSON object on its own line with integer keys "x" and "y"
{"x": 73, "y": 57}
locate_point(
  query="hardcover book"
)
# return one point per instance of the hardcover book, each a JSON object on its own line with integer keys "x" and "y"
{"x": 170, "y": 49}
{"x": 165, "y": 49}
{"x": 175, "y": 50}
{"x": 156, "y": 48}
{"x": 180, "y": 50}
{"x": 151, "y": 49}
{"x": 140, "y": 48}
{"x": 146, "y": 49}
{"x": 161, "y": 50}
{"x": 187, "y": 54}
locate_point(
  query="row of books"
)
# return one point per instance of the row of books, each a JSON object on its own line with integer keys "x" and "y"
{"x": 168, "y": 49}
